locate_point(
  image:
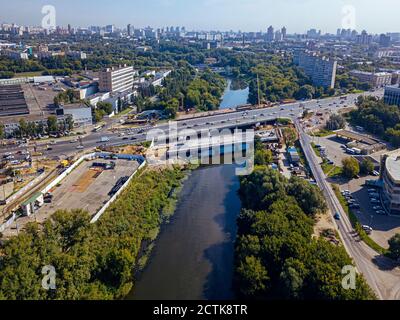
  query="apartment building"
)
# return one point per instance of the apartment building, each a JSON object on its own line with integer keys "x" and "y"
{"x": 392, "y": 95}
{"x": 320, "y": 69}
{"x": 375, "y": 79}
{"x": 116, "y": 79}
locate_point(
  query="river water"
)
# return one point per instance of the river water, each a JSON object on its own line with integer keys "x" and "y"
{"x": 193, "y": 257}
{"x": 233, "y": 98}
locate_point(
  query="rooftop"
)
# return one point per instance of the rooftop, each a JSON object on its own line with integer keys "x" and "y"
{"x": 393, "y": 166}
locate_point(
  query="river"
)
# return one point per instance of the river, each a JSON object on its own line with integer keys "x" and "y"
{"x": 233, "y": 98}
{"x": 193, "y": 256}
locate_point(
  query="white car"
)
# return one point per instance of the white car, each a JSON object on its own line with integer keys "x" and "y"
{"x": 80, "y": 147}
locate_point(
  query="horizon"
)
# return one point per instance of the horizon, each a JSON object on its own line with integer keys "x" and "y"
{"x": 222, "y": 15}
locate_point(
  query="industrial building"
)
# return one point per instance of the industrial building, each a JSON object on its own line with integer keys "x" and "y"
{"x": 12, "y": 101}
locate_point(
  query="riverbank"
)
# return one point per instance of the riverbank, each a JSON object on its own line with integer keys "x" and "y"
{"x": 193, "y": 255}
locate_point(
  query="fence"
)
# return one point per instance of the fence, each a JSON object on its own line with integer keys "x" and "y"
{"x": 8, "y": 223}
{"x": 26, "y": 188}
{"x": 106, "y": 206}
{"x": 67, "y": 172}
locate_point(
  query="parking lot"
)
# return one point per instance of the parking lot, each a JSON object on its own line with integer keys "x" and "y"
{"x": 384, "y": 227}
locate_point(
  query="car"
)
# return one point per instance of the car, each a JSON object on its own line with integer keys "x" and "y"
{"x": 374, "y": 195}
{"x": 337, "y": 216}
{"x": 80, "y": 147}
{"x": 133, "y": 138}
{"x": 367, "y": 229}
{"x": 375, "y": 201}
{"x": 375, "y": 173}
{"x": 377, "y": 208}
{"x": 380, "y": 212}
{"x": 125, "y": 138}
{"x": 371, "y": 190}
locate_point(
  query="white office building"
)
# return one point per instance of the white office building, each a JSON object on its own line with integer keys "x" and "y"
{"x": 116, "y": 79}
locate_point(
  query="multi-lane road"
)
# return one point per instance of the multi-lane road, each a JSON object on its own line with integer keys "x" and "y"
{"x": 221, "y": 121}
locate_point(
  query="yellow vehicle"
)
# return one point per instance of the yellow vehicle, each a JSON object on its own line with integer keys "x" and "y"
{"x": 64, "y": 163}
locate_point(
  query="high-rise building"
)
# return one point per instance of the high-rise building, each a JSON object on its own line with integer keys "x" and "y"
{"x": 270, "y": 34}
{"x": 129, "y": 30}
{"x": 384, "y": 40}
{"x": 110, "y": 28}
{"x": 321, "y": 70}
{"x": 278, "y": 35}
{"x": 364, "y": 38}
{"x": 116, "y": 79}
{"x": 284, "y": 32}
{"x": 392, "y": 95}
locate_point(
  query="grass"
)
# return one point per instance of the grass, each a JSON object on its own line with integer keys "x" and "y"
{"x": 28, "y": 74}
{"x": 331, "y": 170}
{"x": 356, "y": 224}
{"x": 323, "y": 133}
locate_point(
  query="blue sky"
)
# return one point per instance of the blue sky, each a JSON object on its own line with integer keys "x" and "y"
{"x": 247, "y": 15}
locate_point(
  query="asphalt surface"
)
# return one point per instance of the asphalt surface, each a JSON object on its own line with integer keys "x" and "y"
{"x": 230, "y": 120}
{"x": 380, "y": 272}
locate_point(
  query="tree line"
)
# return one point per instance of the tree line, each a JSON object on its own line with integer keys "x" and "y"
{"x": 92, "y": 261}
{"x": 378, "y": 118}
{"x": 277, "y": 256}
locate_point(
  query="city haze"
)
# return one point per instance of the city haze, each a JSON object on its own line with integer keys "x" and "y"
{"x": 245, "y": 15}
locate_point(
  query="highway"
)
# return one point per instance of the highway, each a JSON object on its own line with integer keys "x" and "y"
{"x": 380, "y": 272}
{"x": 229, "y": 120}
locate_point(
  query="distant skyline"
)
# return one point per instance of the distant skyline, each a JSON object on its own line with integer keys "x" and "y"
{"x": 245, "y": 15}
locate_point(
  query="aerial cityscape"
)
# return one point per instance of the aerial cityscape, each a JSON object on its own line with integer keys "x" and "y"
{"x": 143, "y": 159}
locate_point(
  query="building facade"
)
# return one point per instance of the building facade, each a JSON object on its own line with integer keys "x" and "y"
{"x": 392, "y": 95}
{"x": 376, "y": 80}
{"x": 321, "y": 70}
{"x": 391, "y": 182}
{"x": 116, "y": 79}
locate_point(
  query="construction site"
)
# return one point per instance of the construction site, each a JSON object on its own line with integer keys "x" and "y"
{"x": 88, "y": 187}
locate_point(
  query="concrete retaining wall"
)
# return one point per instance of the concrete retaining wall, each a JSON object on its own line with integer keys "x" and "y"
{"x": 67, "y": 172}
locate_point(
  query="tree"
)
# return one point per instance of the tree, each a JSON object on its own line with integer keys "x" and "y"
{"x": 306, "y": 92}
{"x": 394, "y": 247}
{"x": 290, "y": 136}
{"x": 253, "y": 276}
{"x": 263, "y": 157}
{"x": 336, "y": 122}
{"x": 52, "y": 124}
{"x": 23, "y": 127}
{"x": 2, "y": 131}
{"x": 309, "y": 197}
{"x": 351, "y": 167}
{"x": 367, "y": 166}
